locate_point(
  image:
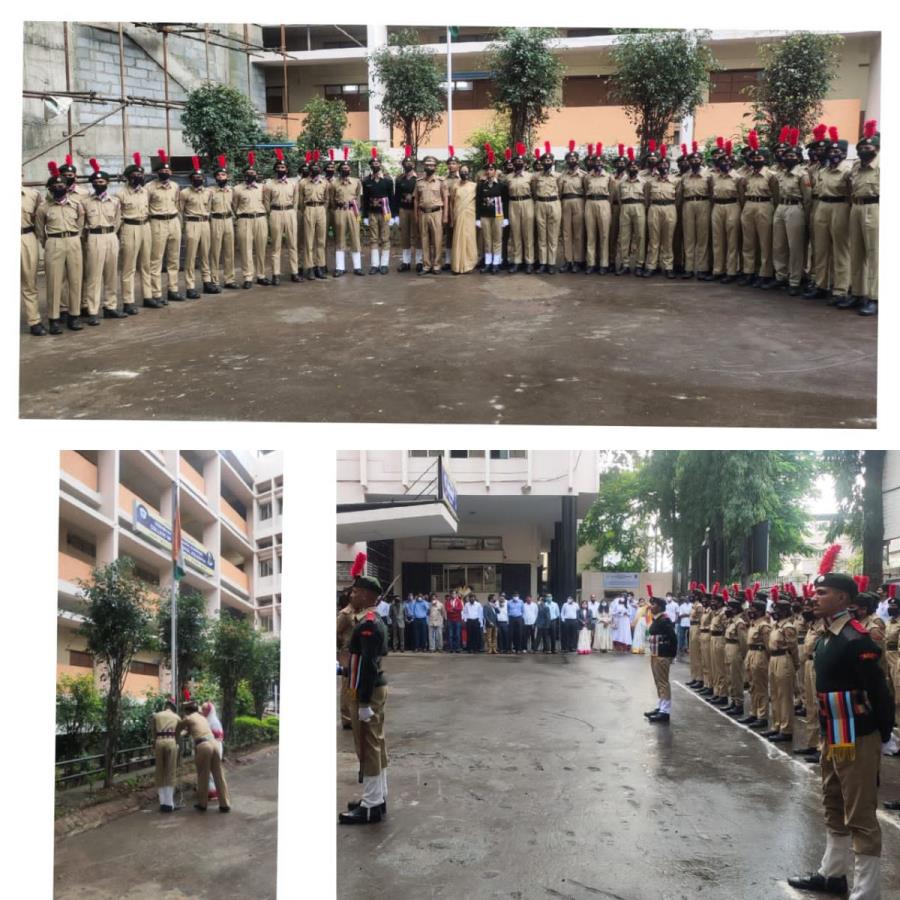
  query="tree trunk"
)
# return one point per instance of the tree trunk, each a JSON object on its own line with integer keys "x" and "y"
{"x": 229, "y": 698}
{"x": 113, "y": 699}
{"x": 873, "y": 517}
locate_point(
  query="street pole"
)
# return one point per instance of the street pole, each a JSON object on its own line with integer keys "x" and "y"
{"x": 174, "y": 617}
{"x": 449, "y": 90}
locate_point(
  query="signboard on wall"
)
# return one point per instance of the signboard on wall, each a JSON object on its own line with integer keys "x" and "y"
{"x": 621, "y": 581}
{"x": 446, "y": 487}
{"x": 158, "y": 531}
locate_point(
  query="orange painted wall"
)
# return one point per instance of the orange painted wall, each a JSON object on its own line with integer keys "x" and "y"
{"x": 127, "y": 498}
{"x": 233, "y": 516}
{"x": 191, "y": 476}
{"x": 235, "y": 575}
{"x": 65, "y": 669}
{"x": 138, "y": 685}
{"x": 71, "y": 569}
{"x": 77, "y": 466}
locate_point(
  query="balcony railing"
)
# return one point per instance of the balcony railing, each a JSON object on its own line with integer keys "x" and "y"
{"x": 192, "y": 476}
{"x": 233, "y": 516}
{"x": 235, "y": 575}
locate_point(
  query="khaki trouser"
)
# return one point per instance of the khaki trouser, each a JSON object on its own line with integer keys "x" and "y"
{"x": 29, "y": 278}
{"x": 597, "y": 216}
{"x": 695, "y": 217}
{"x": 196, "y": 243}
{"x": 659, "y": 668}
{"x": 301, "y": 236}
{"x": 409, "y": 229}
{"x": 283, "y": 229}
{"x": 573, "y": 230}
{"x": 726, "y": 237}
{"x": 632, "y": 240}
{"x": 781, "y": 693}
{"x": 379, "y": 231}
{"x": 734, "y": 666}
{"x": 864, "y": 250}
{"x": 165, "y": 243}
{"x": 206, "y": 756}
{"x": 347, "y": 700}
{"x": 492, "y": 237}
{"x": 789, "y": 243}
{"x": 831, "y": 224}
{"x": 136, "y": 242}
{"x": 704, "y": 659}
{"x": 615, "y": 215}
{"x": 720, "y": 670}
{"x": 757, "y": 666}
{"x": 315, "y": 224}
{"x": 661, "y": 227}
{"x": 369, "y": 736}
{"x": 346, "y": 230}
{"x": 101, "y": 264}
{"x": 431, "y": 233}
{"x": 850, "y": 795}
{"x": 221, "y": 249}
{"x": 165, "y": 751}
{"x": 490, "y": 639}
{"x": 521, "y": 231}
{"x": 547, "y": 216}
{"x": 63, "y": 265}
{"x": 810, "y": 732}
{"x": 694, "y": 654}
{"x": 252, "y": 237}
{"x": 756, "y": 230}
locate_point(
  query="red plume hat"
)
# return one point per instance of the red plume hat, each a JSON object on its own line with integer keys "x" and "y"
{"x": 53, "y": 168}
{"x": 137, "y": 159}
{"x": 359, "y": 565}
{"x": 829, "y": 558}
{"x": 407, "y": 151}
{"x": 195, "y": 160}
{"x": 163, "y": 157}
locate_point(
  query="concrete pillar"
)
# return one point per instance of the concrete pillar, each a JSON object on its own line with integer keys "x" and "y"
{"x": 555, "y": 585}
{"x": 568, "y": 551}
{"x": 376, "y": 36}
{"x": 873, "y": 94}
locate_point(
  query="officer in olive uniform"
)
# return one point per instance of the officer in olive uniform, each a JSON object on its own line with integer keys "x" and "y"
{"x": 194, "y": 202}
{"x": 756, "y": 663}
{"x": 694, "y": 193}
{"x": 163, "y": 730}
{"x": 491, "y": 202}
{"x": 789, "y": 223}
{"x": 31, "y": 200}
{"x": 368, "y": 689}
{"x": 571, "y": 192}
{"x": 452, "y": 183}
{"x": 253, "y": 232}
{"x": 221, "y": 228}
{"x": 597, "y": 212}
{"x": 314, "y": 198}
{"x": 783, "y": 660}
{"x": 663, "y": 643}
{"x": 280, "y": 200}
{"x": 521, "y": 214}
{"x": 631, "y": 195}
{"x": 758, "y": 192}
{"x": 865, "y": 178}
{"x": 135, "y": 237}
{"x": 102, "y": 219}
{"x": 432, "y": 210}
{"x": 165, "y": 234}
{"x": 404, "y": 202}
{"x": 856, "y": 714}
{"x": 346, "y": 201}
{"x": 378, "y": 199}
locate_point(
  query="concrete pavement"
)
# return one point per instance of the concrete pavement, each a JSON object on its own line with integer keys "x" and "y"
{"x": 150, "y": 856}
{"x": 537, "y": 777}
{"x": 509, "y": 349}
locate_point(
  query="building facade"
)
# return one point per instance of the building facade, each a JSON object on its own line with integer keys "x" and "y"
{"x": 118, "y": 503}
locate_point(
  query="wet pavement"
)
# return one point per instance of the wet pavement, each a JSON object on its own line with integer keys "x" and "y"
{"x": 150, "y": 856}
{"x": 567, "y": 349}
{"x": 525, "y": 778}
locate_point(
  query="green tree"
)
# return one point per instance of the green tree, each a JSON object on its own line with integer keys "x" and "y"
{"x": 496, "y": 134}
{"x": 228, "y": 661}
{"x": 527, "y": 79}
{"x": 265, "y": 665}
{"x": 858, "y": 484}
{"x": 660, "y": 77}
{"x": 118, "y": 625}
{"x": 414, "y": 99}
{"x": 193, "y": 635}
{"x": 324, "y": 124}
{"x": 797, "y": 73}
{"x": 79, "y": 710}
{"x": 219, "y": 119}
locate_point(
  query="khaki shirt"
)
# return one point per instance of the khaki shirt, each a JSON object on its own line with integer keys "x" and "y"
{"x": 545, "y": 186}
{"x": 135, "y": 202}
{"x": 724, "y": 186}
{"x": 813, "y": 633}
{"x": 345, "y": 625}
{"x": 432, "y": 192}
{"x": 247, "y": 199}
{"x": 162, "y": 199}
{"x": 759, "y": 633}
{"x": 31, "y": 200}
{"x": 813, "y": 170}
{"x": 571, "y": 182}
{"x": 736, "y": 630}
{"x": 56, "y": 218}
{"x": 165, "y": 720}
{"x": 696, "y": 613}
{"x": 346, "y": 194}
{"x": 705, "y": 618}
{"x": 783, "y": 636}
{"x": 196, "y": 726}
{"x": 103, "y": 213}
{"x": 657, "y": 189}
{"x": 833, "y": 182}
{"x": 758, "y": 184}
{"x": 596, "y": 184}
{"x": 691, "y": 185}
{"x": 717, "y": 623}
{"x": 314, "y": 191}
{"x": 221, "y": 199}
{"x": 519, "y": 185}
{"x": 194, "y": 202}
{"x": 795, "y": 185}
{"x": 631, "y": 190}
{"x": 865, "y": 180}
{"x": 280, "y": 193}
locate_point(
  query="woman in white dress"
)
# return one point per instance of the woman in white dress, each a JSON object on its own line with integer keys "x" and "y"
{"x": 602, "y": 631}
{"x": 584, "y": 633}
{"x": 621, "y": 617}
{"x": 209, "y": 710}
{"x": 642, "y": 619}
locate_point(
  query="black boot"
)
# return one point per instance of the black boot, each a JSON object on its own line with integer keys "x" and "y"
{"x": 353, "y": 804}
{"x": 321, "y": 272}
{"x": 113, "y": 313}
{"x": 659, "y": 718}
{"x": 670, "y": 273}
{"x": 310, "y": 274}
{"x": 540, "y": 269}
{"x": 384, "y": 270}
{"x": 869, "y": 307}
{"x": 373, "y": 270}
{"x": 748, "y": 720}
{"x": 892, "y": 805}
{"x": 192, "y": 294}
{"x": 551, "y": 270}
{"x": 403, "y": 267}
{"x": 265, "y": 282}
{"x": 651, "y": 712}
{"x": 337, "y": 273}
{"x": 529, "y": 269}
{"x": 814, "y": 293}
{"x": 603, "y": 270}
{"x": 419, "y": 267}
{"x": 248, "y": 285}
{"x": 275, "y": 280}
{"x": 686, "y": 276}
{"x": 760, "y": 725}
{"x": 360, "y": 816}
{"x": 768, "y": 284}
{"x": 153, "y": 303}
{"x": 55, "y": 327}
{"x": 93, "y": 320}
{"x": 589, "y": 270}
{"x": 296, "y": 277}
{"x": 727, "y": 279}
{"x": 231, "y": 285}
{"x": 514, "y": 267}
{"x": 174, "y": 296}
{"x": 129, "y": 309}
{"x": 782, "y": 738}
{"x": 358, "y": 272}
{"x": 495, "y": 270}
{"x": 745, "y": 280}
{"x": 74, "y": 323}
{"x": 820, "y": 884}
{"x": 210, "y": 287}
{"x": 38, "y": 330}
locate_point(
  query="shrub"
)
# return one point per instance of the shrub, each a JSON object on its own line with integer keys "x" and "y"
{"x": 250, "y": 730}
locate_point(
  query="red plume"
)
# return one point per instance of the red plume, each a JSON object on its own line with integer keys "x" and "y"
{"x": 251, "y": 158}
{"x": 590, "y": 150}
{"x": 684, "y": 150}
{"x": 68, "y": 159}
{"x": 331, "y": 153}
{"x": 54, "y": 168}
{"x": 599, "y": 149}
{"x": 450, "y": 150}
{"x": 621, "y": 149}
{"x": 649, "y": 590}
{"x": 833, "y": 134}
{"x": 94, "y": 164}
{"x": 359, "y": 564}
{"x": 316, "y": 154}
{"x": 490, "y": 155}
{"x": 507, "y": 154}
{"x": 863, "y": 582}
{"x": 829, "y": 558}
{"x": 748, "y": 593}
{"x": 137, "y": 158}
{"x": 571, "y": 146}
{"x": 819, "y": 131}
{"x": 196, "y": 161}
{"x": 794, "y": 137}
{"x": 783, "y": 134}
{"x": 720, "y": 142}
{"x": 735, "y": 588}
{"x": 651, "y": 145}
{"x": 702, "y": 586}
{"x": 631, "y": 154}
{"x": 308, "y": 156}
{"x": 407, "y": 151}
{"x": 715, "y": 588}
{"x": 891, "y": 588}
{"x": 487, "y": 147}
{"x": 773, "y": 591}
{"x": 186, "y": 694}
{"x": 791, "y": 589}
{"x": 537, "y": 152}
{"x": 163, "y": 157}
{"x": 520, "y": 149}
{"x": 725, "y": 594}
{"x": 756, "y": 586}
{"x": 870, "y": 128}
{"x": 664, "y": 151}
{"x": 374, "y": 153}
{"x": 728, "y": 147}
{"x": 693, "y": 586}
{"x": 222, "y": 161}
{"x": 753, "y": 139}
{"x": 546, "y": 146}
{"x": 279, "y": 154}
{"x": 347, "y": 152}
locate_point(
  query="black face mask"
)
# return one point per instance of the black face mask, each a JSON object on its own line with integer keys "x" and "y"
{"x": 70, "y": 180}
{"x": 632, "y": 173}
{"x": 724, "y": 165}
{"x": 100, "y": 188}
{"x": 407, "y": 167}
{"x": 866, "y": 154}
{"x": 833, "y": 161}
{"x": 314, "y": 172}
{"x": 464, "y": 176}
{"x": 547, "y": 167}
{"x": 163, "y": 176}
{"x": 137, "y": 180}
{"x": 695, "y": 166}
{"x": 808, "y": 615}
{"x": 429, "y": 170}
{"x": 518, "y": 165}
{"x": 58, "y": 191}
{"x": 281, "y": 173}
{"x": 197, "y": 182}
{"x": 221, "y": 182}
{"x": 662, "y": 170}
{"x": 376, "y": 167}
{"x": 345, "y": 173}
{"x": 250, "y": 179}
{"x": 756, "y": 164}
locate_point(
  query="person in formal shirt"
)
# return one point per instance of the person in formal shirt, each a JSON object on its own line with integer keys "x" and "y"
{"x": 473, "y": 616}
{"x": 420, "y": 622}
{"x": 553, "y": 607}
{"x": 529, "y": 620}
{"x": 583, "y": 645}
{"x": 409, "y": 621}
{"x": 684, "y": 624}
{"x": 454, "y": 608}
{"x": 516, "y": 623}
{"x": 569, "y": 616}
{"x": 384, "y": 612}
{"x": 436, "y": 617}
{"x": 542, "y": 626}
{"x": 490, "y": 625}
{"x": 503, "y": 640}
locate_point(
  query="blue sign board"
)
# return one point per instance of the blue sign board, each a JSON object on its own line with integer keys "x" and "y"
{"x": 159, "y": 532}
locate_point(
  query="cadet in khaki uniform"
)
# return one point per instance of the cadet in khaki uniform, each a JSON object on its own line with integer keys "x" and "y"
{"x": 756, "y": 663}
{"x": 809, "y": 733}
{"x": 280, "y": 201}
{"x": 661, "y": 190}
{"x": 490, "y": 209}
{"x": 571, "y": 192}
{"x": 102, "y": 219}
{"x": 705, "y": 666}
{"x": 195, "y": 203}
{"x": 735, "y": 652}
{"x": 663, "y": 644}
{"x": 31, "y": 200}
{"x": 165, "y": 232}
{"x": 379, "y": 213}
{"x": 694, "y": 637}
{"x": 206, "y": 757}
{"x": 865, "y": 178}
{"x": 164, "y": 726}
{"x": 345, "y": 625}
{"x": 315, "y": 195}
{"x": 547, "y": 213}
{"x": 221, "y": 228}
{"x": 346, "y": 197}
{"x": 694, "y": 194}
{"x": 631, "y": 193}
{"x": 597, "y": 212}
{"x": 831, "y": 224}
{"x": 368, "y": 688}
{"x": 726, "y": 219}
{"x": 815, "y": 152}
{"x": 432, "y": 213}
{"x": 70, "y": 177}
{"x": 301, "y": 235}
{"x": 404, "y": 188}
{"x": 58, "y": 224}
{"x": 135, "y": 238}
{"x": 620, "y": 164}
{"x": 520, "y": 248}
{"x": 783, "y": 659}
{"x": 252, "y": 230}
{"x": 717, "y": 651}
{"x": 759, "y": 194}
{"x": 789, "y": 223}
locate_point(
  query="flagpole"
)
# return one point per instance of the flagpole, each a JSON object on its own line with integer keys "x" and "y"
{"x": 174, "y": 608}
{"x": 449, "y": 90}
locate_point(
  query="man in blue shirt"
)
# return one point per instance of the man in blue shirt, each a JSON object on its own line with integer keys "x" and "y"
{"x": 409, "y": 616}
{"x": 517, "y": 622}
{"x": 553, "y": 607}
{"x": 420, "y": 621}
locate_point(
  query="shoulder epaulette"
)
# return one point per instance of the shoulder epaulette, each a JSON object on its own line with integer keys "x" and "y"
{"x": 858, "y": 626}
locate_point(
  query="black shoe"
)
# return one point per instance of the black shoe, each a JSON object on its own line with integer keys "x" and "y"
{"x": 354, "y": 804}
{"x": 384, "y": 270}
{"x": 820, "y": 884}
{"x": 296, "y": 277}
{"x": 310, "y": 274}
{"x": 551, "y": 270}
{"x": 622, "y": 270}
{"x": 373, "y": 270}
{"x": 745, "y": 280}
{"x": 720, "y": 701}
{"x": 760, "y": 724}
{"x": 540, "y": 269}
{"x": 275, "y": 280}
{"x": 483, "y": 270}
{"x": 647, "y": 273}
{"x": 603, "y": 270}
{"x": 55, "y": 327}
{"x": 806, "y": 751}
{"x": 782, "y": 738}
{"x": 38, "y": 330}
{"x": 321, "y": 272}
{"x": 892, "y": 805}
{"x": 73, "y": 323}
{"x": 347, "y": 726}
{"x": 737, "y": 711}
{"x": 564, "y": 267}
{"x": 687, "y": 276}
{"x": 192, "y": 294}
{"x": 265, "y": 282}
{"x": 360, "y": 816}
{"x": 248, "y": 285}
{"x": 495, "y": 270}
{"x": 224, "y": 809}
{"x": 670, "y": 273}
{"x": 771, "y": 733}
{"x": 154, "y": 303}
{"x": 201, "y": 808}
{"x": 795, "y": 290}
{"x": 174, "y": 296}
{"x": 403, "y": 267}
{"x": 529, "y": 269}
{"x": 748, "y": 720}
{"x": 445, "y": 267}
{"x": 113, "y": 314}
{"x": 419, "y": 267}
{"x": 231, "y": 285}
{"x": 513, "y": 268}
{"x": 420, "y": 271}
{"x": 93, "y": 320}
{"x": 358, "y": 272}
{"x": 337, "y": 273}
{"x": 129, "y": 309}
{"x": 729, "y": 708}
{"x": 651, "y": 712}
{"x": 727, "y": 279}
{"x": 845, "y": 301}
{"x": 659, "y": 718}
{"x": 210, "y": 287}
{"x": 814, "y": 293}
{"x": 640, "y": 272}
{"x": 575, "y": 267}
{"x": 769, "y": 284}
{"x": 814, "y": 758}
{"x": 869, "y": 308}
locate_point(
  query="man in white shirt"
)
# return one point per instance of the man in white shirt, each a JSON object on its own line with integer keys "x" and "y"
{"x": 569, "y": 616}
{"x": 473, "y": 616}
{"x": 684, "y": 624}
{"x": 672, "y": 609}
{"x": 529, "y": 617}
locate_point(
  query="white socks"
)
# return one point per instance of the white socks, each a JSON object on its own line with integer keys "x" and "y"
{"x": 867, "y": 878}
{"x": 836, "y": 859}
{"x": 373, "y": 792}
{"x": 447, "y": 255}
{"x": 374, "y": 257}
{"x": 385, "y": 257}
{"x": 166, "y": 796}
{"x": 339, "y": 260}
{"x": 498, "y": 259}
{"x": 665, "y": 706}
{"x": 407, "y": 257}
{"x": 357, "y": 260}
{"x": 488, "y": 258}
{"x": 418, "y": 257}
{"x": 384, "y": 791}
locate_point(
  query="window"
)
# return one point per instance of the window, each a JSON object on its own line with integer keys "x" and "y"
{"x": 82, "y": 545}
{"x": 267, "y": 624}
{"x": 509, "y": 454}
{"x": 587, "y": 90}
{"x": 274, "y": 99}
{"x": 280, "y": 502}
{"x": 144, "y": 668}
{"x": 81, "y": 659}
{"x": 278, "y": 563}
{"x": 355, "y": 96}
{"x": 265, "y": 510}
{"x": 147, "y": 576}
{"x": 467, "y": 454}
{"x": 464, "y": 542}
{"x": 265, "y": 568}
{"x": 729, "y": 86}
{"x": 425, "y": 454}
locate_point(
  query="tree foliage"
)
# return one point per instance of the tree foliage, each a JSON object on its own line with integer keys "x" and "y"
{"x": 193, "y": 635}
{"x": 118, "y": 625}
{"x": 413, "y": 100}
{"x": 324, "y": 124}
{"x": 660, "y": 77}
{"x": 527, "y": 78}
{"x": 265, "y": 665}
{"x": 219, "y": 119}
{"x": 79, "y": 710}
{"x": 229, "y": 658}
{"x": 496, "y": 134}
{"x": 797, "y": 73}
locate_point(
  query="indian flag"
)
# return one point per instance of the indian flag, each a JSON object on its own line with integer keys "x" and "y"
{"x": 177, "y": 551}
